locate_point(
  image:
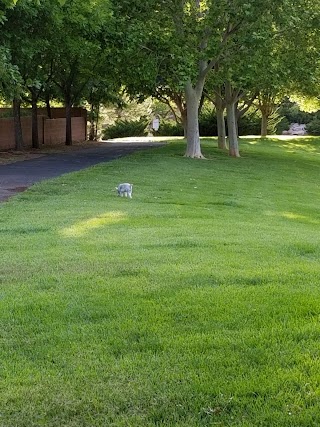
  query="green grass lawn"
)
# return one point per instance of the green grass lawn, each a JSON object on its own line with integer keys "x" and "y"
{"x": 196, "y": 303}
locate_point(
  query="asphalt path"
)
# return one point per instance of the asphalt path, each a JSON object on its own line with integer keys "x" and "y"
{"x": 18, "y": 176}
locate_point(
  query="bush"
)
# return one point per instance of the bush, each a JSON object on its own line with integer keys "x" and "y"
{"x": 313, "y": 127}
{"x": 283, "y": 125}
{"x": 208, "y": 123}
{"x": 207, "y": 126}
{"x": 292, "y": 112}
{"x": 169, "y": 129}
{"x": 123, "y": 128}
{"x": 249, "y": 124}
{"x": 274, "y": 122}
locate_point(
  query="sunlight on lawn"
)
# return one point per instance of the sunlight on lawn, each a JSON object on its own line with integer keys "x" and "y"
{"x": 288, "y": 137}
{"x": 296, "y": 141}
{"x": 291, "y": 215}
{"x": 83, "y": 227}
{"x": 290, "y": 142}
{"x": 305, "y": 146}
{"x": 294, "y": 216}
{"x": 257, "y": 138}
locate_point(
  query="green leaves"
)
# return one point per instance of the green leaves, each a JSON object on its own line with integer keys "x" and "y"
{"x": 10, "y": 77}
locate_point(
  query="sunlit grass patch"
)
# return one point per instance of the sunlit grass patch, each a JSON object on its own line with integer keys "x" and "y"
{"x": 296, "y": 217}
{"x": 84, "y": 227}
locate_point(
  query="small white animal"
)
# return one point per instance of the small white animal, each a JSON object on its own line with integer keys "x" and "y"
{"x": 125, "y": 190}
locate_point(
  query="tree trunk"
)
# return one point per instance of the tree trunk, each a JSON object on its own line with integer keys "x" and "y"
{"x": 48, "y": 106}
{"x": 232, "y": 122}
{"x": 221, "y": 125}
{"x": 35, "y": 134}
{"x": 68, "y": 123}
{"x": 232, "y": 131}
{"x": 264, "y": 124}
{"x": 178, "y": 100}
{"x": 94, "y": 118}
{"x": 267, "y": 107}
{"x": 92, "y": 131}
{"x": 17, "y": 124}
{"x": 92, "y": 124}
{"x": 184, "y": 120}
{"x": 193, "y": 149}
{"x": 97, "y": 122}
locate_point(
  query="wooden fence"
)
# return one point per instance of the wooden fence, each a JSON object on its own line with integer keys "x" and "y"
{"x": 51, "y": 131}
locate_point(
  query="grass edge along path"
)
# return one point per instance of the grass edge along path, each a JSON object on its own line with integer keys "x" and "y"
{"x": 196, "y": 303}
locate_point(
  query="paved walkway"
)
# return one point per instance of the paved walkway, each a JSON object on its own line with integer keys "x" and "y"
{"x": 18, "y": 176}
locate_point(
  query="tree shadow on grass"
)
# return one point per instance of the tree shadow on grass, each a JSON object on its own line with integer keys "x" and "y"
{"x": 291, "y": 144}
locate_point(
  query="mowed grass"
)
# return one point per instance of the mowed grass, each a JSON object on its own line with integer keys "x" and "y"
{"x": 196, "y": 303}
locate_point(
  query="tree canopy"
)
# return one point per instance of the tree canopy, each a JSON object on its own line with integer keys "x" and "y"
{"x": 178, "y": 51}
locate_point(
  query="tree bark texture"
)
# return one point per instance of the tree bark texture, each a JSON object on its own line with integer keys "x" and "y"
{"x": 35, "y": 134}
{"x": 17, "y": 124}
{"x": 68, "y": 123}
{"x": 184, "y": 121}
{"x": 48, "y": 106}
{"x": 264, "y": 124}
{"x": 232, "y": 122}
{"x": 267, "y": 107}
{"x": 221, "y": 125}
{"x": 92, "y": 131}
{"x": 193, "y": 137}
{"x": 181, "y": 105}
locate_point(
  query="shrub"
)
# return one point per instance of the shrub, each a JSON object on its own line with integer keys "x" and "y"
{"x": 249, "y": 124}
{"x": 207, "y": 126}
{"x": 313, "y": 127}
{"x": 283, "y": 125}
{"x": 273, "y": 123}
{"x": 169, "y": 129}
{"x": 208, "y": 123}
{"x": 292, "y": 112}
{"x": 123, "y": 128}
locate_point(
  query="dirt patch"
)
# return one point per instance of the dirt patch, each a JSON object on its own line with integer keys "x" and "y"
{"x": 12, "y": 156}
{"x": 16, "y": 156}
{"x": 18, "y": 189}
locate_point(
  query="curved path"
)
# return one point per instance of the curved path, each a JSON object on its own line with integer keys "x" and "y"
{"x": 18, "y": 176}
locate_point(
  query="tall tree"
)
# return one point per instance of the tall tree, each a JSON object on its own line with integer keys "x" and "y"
{"x": 100, "y": 91}
{"x": 288, "y": 64}
{"x": 76, "y": 59}
{"x": 11, "y": 81}
{"x": 185, "y": 40}
{"x": 25, "y": 33}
